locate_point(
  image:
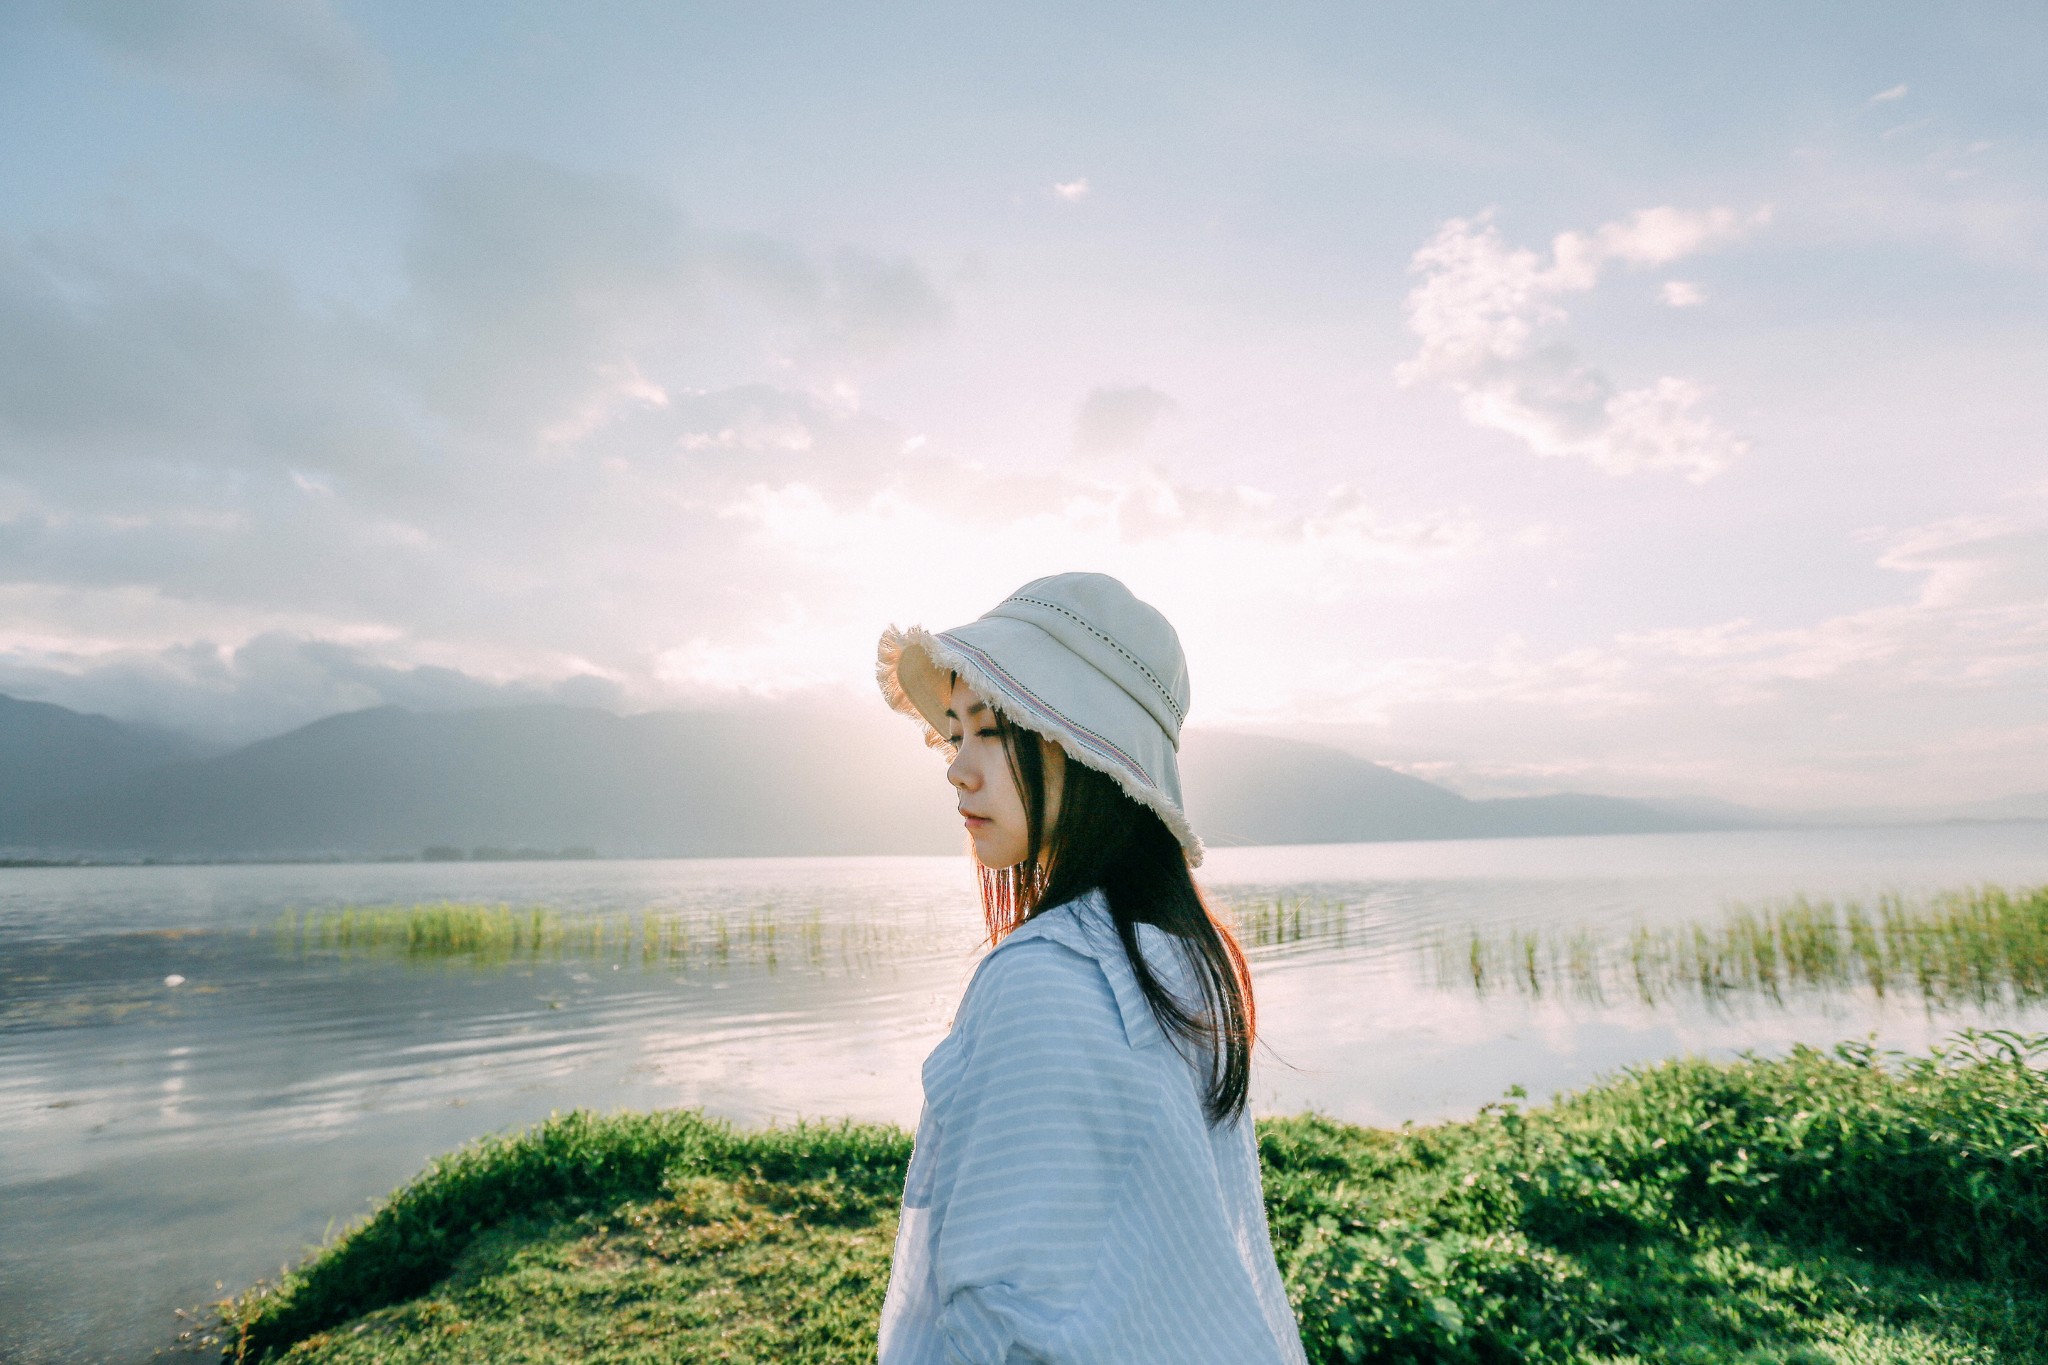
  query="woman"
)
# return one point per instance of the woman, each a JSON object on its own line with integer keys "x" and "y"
{"x": 1085, "y": 1183}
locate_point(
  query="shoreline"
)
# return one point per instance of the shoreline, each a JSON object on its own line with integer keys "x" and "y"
{"x": 501, "y": 856}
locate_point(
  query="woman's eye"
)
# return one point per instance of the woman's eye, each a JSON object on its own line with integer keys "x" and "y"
{"x": 990, "y": 733}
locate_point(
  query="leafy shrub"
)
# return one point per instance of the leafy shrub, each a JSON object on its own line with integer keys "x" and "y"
{"x": 1397, "y": 1295}
{"x": 1941, "y": 1159}
{"x": 1564, "y": 1233}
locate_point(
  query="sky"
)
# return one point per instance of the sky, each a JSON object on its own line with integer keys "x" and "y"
{"x": 1634, "y": 398}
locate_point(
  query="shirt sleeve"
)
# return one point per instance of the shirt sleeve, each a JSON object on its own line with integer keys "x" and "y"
{"x": 1047, "y": 1115}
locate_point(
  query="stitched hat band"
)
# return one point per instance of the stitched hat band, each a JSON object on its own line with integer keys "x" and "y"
{"x": 1076, "y": 658}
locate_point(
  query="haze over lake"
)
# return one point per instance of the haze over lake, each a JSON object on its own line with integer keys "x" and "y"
{"x": 162, "y": 1137}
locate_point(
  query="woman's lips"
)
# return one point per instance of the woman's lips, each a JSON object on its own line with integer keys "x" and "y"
{"x": 973, "y": 821}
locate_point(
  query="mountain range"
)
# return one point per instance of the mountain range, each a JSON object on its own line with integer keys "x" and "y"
{"x": 796, "y": 779}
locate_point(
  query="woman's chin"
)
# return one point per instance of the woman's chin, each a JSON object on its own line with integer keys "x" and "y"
{"x": 994, "y": 858}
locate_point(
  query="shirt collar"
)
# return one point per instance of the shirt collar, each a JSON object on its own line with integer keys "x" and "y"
{"x": 1085, "y": 925}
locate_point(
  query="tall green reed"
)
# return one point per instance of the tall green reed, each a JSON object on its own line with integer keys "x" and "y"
{"x": 761, "y": 938}
{"x": 459, "y": 933}
{"x": 1984, "y": 946}
{"x": 1282, "y": 920}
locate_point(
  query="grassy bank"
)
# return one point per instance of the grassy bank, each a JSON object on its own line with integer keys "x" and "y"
{"x": 1844, "y": 1206}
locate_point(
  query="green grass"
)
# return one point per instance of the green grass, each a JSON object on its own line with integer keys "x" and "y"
{"x": 1983, "y": 947}
{"x": 1284, "y": 920}
{"x": 765, "y": 938}
{"x": 1850, "y": 1207}
{"x": 469, "y": 934}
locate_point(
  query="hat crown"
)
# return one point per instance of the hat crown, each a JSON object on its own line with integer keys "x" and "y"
{"x": 1128, "y": 641}
{"x": 1074, "y": 658}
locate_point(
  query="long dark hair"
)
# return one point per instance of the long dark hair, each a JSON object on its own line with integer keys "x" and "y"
{"x": 1103, "y": 840}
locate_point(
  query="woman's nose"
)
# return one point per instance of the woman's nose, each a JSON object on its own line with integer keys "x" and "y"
{"x": 959, "y": 772}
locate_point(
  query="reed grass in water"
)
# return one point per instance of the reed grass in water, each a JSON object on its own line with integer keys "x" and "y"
{"x": 762, "y": 939}
{"x": 1281, "y": 921}
{"x": 466, "y": 933}
{"x": 1982, "y": 947}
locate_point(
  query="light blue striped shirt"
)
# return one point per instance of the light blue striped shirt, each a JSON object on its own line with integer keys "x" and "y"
{"x": 1067, "y": 1199}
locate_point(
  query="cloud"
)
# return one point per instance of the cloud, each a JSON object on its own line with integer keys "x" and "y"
{"x": 1682, "y": 294}
{"x": 299, "y": 44}
{"x": 1116, "y": 420}
{"x": 1924, "y": 184}
{"x": 1897, "y": 92}
{"x": 870, "y": 305}
{"x": 1245, "y": 576}
{"x": 756, "y": 555}
{"x": 599, "y": 449}
{"x": 1975, "y": 562}
{"x": 1489, "y": 319}
{"x": 1656, "y": 236}
{"x": 540, "y": 303}
{"x": 530, "y": 281}
{"x": 135, "y": 372}
{"x": 591, "y": 438}
{"x": 1071, "y": 190}
{"x": 1941, "y": 696}
{"x": 515, "y": 468}
{"x": 273, "y": 682}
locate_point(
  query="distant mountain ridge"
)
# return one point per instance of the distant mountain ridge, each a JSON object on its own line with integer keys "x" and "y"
{"x": 387, "y": 781}
{"x": 1251, "y": 789}
{"x": 50, "y": 754}
{"x": 802, "y": 779}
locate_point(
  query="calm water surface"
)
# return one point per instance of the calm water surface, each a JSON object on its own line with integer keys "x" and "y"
{"x": 158, "y": 1141}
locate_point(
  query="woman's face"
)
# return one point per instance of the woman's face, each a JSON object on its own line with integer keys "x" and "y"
{"x": 986, "y": 789}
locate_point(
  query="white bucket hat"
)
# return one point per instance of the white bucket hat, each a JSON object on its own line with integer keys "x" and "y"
{"x": 1075, "y": 658}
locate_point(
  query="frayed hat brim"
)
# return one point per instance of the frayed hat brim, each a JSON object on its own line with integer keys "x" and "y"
{"x": 1038, "y": 685}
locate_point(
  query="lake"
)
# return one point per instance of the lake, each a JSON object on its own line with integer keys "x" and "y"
{"x": 205, "y": 1070}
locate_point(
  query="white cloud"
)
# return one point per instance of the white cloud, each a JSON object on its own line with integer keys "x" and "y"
{"x": 1682, "y": 294}
{"x": 1942, "y": 696}
{"x": 279, "y": 679}
{"x": 522, "y": 458}
{"x": 559, "y": 454}
{"x": 1071, "y": 190}
{"x": 1489, "y": 319}
{"x": 1246, "y": 578}
{"x": 1897, "y": 92}
{"x": 1975, "y": 562}
{"x": 621, "y": 386}
{"x": 1656, "y": 236}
